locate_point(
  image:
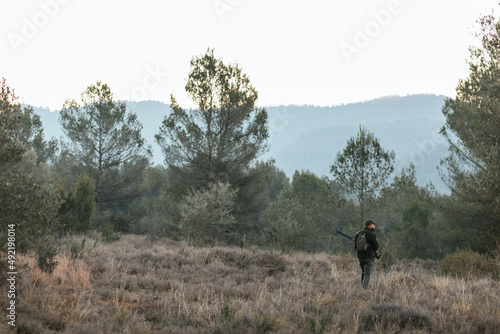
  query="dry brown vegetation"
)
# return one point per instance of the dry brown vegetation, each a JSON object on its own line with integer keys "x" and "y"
{"x": 138, "y": 286}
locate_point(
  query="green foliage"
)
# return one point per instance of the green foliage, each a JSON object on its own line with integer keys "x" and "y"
{"x": 469, "y": 264}
{"x": 78, "y": 207}
{"x": 219, "y": 139}
{"x": 416, "y": 220}
{"x": 32, "y": 134}
{"x": 362, "y": 168}
{"x": 109, "y": 234}
{"x": 318, "y": 198}
{"x": 85, "y": 199}
{"x": 76, "y": 249}
{"x": 107, "y": 141}
{"x": 11, "y": 147}
{"x": 227, "y": 313}
{"x": 28, "y": 199}
{"x": 46, "y": 252}
{"x": 412, "y": 221}
{"x": 318, "y": 319}
{"x": 395, "y": 198}
{"x": 277, "y": 182}
{"x": 385, "y": 316}
{"x": 206, "y": 215}
{"x": 305, "y": 216}
{"x": 388, "y": 257}
{"x": 141, "y": 213}
{"x": 161, "y": 218}
{"x": 473, "y": 133}
{"x": 310, "y": 190}
{"x": 286, "y": 225}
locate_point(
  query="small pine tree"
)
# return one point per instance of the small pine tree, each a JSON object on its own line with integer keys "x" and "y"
{"x": 85, "y": 201}
{"x": 362, "y": 168}
{"x": 78, "y": 206}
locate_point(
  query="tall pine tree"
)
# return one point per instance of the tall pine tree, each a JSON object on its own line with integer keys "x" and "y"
{"x": 106, "y": 140}
{"x": 219, "y": 140}
{"x": 473, "y": 132}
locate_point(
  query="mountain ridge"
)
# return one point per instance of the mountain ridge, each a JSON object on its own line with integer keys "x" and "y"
{"x": 309, "y": 137}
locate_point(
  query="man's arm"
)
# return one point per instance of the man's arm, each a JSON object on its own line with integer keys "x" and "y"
{"x": 374, "y": 242}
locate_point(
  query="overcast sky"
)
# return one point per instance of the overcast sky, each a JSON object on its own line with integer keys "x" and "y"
{"x": 319, "y": 52}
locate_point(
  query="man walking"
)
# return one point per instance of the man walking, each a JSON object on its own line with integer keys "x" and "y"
{"x": 366, "y": 245}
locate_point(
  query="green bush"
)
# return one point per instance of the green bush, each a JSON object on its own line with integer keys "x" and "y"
{"x": 388, "y": 258}
{"x": 288, "y": 225}
{"x": 46, "y": 253}
{"x": 78, "y": 206}
{"x": 109, "y": 234}
{"x": 469, "y": 264}
{"x": 206, "y": 215}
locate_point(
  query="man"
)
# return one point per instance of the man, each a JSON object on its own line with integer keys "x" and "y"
{"x": 367, "y": 257}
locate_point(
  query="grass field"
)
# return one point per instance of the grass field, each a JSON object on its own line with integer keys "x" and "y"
{"x": 138, "y": 286}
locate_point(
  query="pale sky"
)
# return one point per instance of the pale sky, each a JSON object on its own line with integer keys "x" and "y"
{"x": 319, "y": 52}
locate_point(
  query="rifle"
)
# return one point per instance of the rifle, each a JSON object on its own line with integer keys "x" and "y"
{"x": 377, "y": 254}
{"x": 345, "y": 235}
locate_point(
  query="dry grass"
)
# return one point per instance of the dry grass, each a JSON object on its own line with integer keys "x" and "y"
{"x": 137, "y": 286}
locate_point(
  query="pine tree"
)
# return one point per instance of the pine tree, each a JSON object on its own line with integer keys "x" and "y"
{"x": 220, "y": 139}
{"x": 107, "y": 141}
{"x": 473, "y": 132}
{"x": 28, "y": 199}
{"x": 362, "y": 168}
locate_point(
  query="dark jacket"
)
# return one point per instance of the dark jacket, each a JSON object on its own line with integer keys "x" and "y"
{"x": 371, "y": 238}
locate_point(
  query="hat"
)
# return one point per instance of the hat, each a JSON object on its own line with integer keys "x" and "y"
{"x": 368, "y": 222}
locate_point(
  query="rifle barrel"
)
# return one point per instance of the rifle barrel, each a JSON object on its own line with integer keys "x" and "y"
{"x": 345, "y": 235}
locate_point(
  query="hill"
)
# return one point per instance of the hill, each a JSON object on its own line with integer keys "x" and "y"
{"x": 309, "y": 137}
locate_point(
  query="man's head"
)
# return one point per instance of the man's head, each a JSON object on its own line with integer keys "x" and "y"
{"x": 370, "y": 223}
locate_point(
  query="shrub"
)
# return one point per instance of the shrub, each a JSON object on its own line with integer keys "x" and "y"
{"x": 78, "y": 206}
{"x": 390, "y": 316}
{"x": 272, "y": 263}
{"x": 28, "y": 199}
{"x": 469, "y": 264}
{"x": 388, "y": 258}
{"x": 46, "y": 253}
{"x": 85, "y": 198}
{"x": 287, "y": 225}
{"x": 206, "y": 215}
{"x": 109, "y": 234}
{"x": 76, "y": 248}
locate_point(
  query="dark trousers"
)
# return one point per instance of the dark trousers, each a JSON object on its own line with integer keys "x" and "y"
{"x": 366, "y": 270}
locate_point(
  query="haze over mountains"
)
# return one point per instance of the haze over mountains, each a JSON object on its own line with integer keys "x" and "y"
{"x": 309, "y": 137}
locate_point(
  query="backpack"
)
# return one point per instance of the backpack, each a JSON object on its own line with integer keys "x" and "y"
{"x": 361, "y": 243}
